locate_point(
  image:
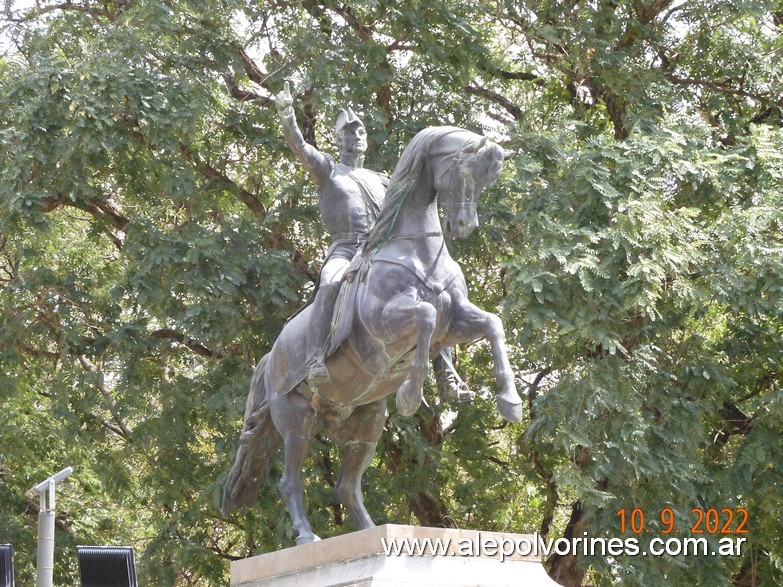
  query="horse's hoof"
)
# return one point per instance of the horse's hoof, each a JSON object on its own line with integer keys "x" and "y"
{"x": 511, "y": 411}
{"x": 408, "y": 399}
{"x": 307, "y": 539}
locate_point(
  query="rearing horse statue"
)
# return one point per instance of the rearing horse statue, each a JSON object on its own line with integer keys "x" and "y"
{"x": 402, "y": 299}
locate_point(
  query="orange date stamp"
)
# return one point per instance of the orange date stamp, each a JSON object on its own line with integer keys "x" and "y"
{"x": 702, "y": 521}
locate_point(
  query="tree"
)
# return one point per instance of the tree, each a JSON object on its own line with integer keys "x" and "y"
{"x": 155, "y": 233}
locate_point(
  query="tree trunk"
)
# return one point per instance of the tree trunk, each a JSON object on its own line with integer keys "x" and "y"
{"x": 564, "y": 569}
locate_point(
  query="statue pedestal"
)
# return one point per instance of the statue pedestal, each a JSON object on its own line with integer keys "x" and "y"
{"x": 428, "y": 556}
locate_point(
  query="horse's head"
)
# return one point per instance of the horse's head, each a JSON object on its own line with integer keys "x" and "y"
{"x": 457, "y": 164}
{"x": 463, "y": 163}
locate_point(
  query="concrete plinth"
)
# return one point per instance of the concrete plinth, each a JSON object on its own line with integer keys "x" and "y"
{"x": 429, "y": 556}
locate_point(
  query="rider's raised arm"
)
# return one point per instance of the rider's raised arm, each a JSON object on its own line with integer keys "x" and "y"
{"x": 318, "y": 165}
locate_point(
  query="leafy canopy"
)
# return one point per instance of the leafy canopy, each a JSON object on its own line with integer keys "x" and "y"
{"x": 155, "y": 233}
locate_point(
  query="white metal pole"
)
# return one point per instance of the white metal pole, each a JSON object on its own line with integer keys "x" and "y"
{"x": 45, "y": 570}
{"x": 44, "y": 576}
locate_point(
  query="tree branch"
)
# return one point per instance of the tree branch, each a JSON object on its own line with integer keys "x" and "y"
{"x": 646, "y": 13}
{"x": 163, "y": 333}
{"x": 736, "y": 420}
{"x": 532, "y": 391}
{"x": 34, "y": 13}
{"x": 242, "y": 94}
{"x": 363, "y": 31}
{"x": 246, "y": 197}
{"x": 252, "y": 70}
{"x": 551, "y": 493}
{"x": 103, "y": 210}
{"x": 524, "y": 76}
{"x": 772, "y": 104}
{"x": 100, "y": 385}
{"x": 764, "y": 383}
{"x": 507, "y": 104}
{"x": 51, "y": 356}
{"x": 10, "y": 265}
{"x": 196, "y": 347}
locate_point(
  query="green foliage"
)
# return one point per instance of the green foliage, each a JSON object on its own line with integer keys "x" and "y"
{"x": 155, "y": 233}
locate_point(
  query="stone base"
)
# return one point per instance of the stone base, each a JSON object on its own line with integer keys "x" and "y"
{"x": 359, "y": 559}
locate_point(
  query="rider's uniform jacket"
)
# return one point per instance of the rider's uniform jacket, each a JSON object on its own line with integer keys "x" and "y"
{"x": 349, "y": 198}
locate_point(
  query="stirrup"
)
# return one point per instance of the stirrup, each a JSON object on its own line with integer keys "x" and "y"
{"x": 452, "y": 391}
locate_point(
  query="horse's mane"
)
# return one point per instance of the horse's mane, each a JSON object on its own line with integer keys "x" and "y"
{"x": 405, "y": 177}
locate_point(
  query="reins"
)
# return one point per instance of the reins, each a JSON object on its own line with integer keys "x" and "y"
{"x": 403, "y": 237}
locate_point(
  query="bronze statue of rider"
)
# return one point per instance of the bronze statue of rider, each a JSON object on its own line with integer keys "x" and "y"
{"x": 349, "y": 198}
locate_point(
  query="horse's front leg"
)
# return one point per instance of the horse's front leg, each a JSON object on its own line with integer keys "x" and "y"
{"x": 298, "y": 423}
{"x": 423, "y": 316}
{"x": 472, "y": 323}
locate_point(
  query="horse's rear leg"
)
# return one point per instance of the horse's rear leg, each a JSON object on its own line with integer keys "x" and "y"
{"x": 358, "y": 436}
{"x": 471, "y": 323}
{"x": 298, "y": 422}
{"x": 292, "y": 486}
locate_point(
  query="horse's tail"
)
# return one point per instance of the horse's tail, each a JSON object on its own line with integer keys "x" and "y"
{"x": 258, "y": 445}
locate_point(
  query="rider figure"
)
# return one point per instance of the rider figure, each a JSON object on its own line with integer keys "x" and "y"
{"x": 349, "y": 197}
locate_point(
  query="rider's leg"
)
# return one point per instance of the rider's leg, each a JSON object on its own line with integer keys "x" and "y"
{"x": 321, "y": 319}
{"x": 451, "y": 387}
{"x": 318, "y": 332}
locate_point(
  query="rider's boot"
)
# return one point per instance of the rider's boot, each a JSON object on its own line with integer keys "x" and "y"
{"x": 451, "y": 388}
{"x": 318, "y": 333}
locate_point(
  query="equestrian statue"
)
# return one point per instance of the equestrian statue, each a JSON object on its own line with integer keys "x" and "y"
{"x": 396, "y": 298}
